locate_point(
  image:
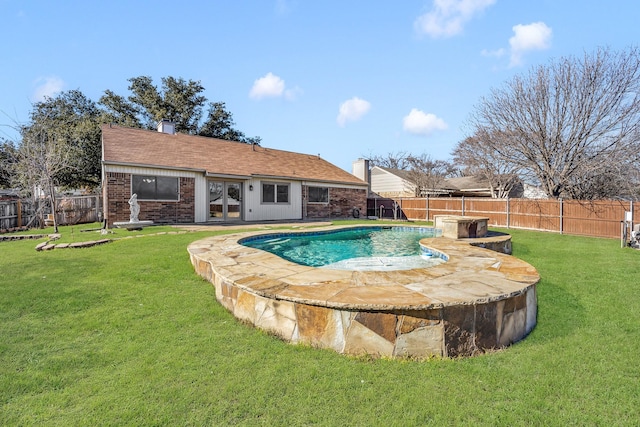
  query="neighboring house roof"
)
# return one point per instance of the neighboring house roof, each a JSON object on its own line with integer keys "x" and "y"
{"x": 469, "y": 183}
{"x": 139, "y": 147}
{"x": 466, "y": 184}
{"x": 9, "y": 194}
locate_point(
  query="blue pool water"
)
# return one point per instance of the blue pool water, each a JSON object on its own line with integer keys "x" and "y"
{"x": 363, "y": 248}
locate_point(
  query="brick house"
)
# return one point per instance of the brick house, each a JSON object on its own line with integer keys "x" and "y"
{"x": 182, "y": 178}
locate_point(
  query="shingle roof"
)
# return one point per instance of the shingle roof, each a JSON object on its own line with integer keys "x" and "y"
{"x": 459, "y": 183}
{"x": 214, "y": 156}
{"x": 467, "y": 183}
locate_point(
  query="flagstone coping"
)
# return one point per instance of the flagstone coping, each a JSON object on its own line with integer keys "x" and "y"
{"x": 478, "y": 300}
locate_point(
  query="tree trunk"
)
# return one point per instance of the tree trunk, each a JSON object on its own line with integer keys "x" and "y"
{"x": 54, "y": 210}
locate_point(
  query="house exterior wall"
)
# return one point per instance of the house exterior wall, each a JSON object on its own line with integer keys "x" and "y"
{"x": 388, "y": 185}
{"x": 117, "y": 192}
{"x": 342, "y": 202}
{"x": 192, "y": 206}
{"x": 254, "y": 210}
{"x": 201, "y": 202}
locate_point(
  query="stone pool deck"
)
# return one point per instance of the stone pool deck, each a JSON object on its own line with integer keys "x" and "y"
{"x": 478, "y": 301}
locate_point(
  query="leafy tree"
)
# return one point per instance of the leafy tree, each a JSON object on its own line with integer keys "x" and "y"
{"x": 116, "y": 109}
{"x": 177, "y": 100}
{"x": 7, "y": 159}
{"x": 220, "y": 124}
{"x": 566, "y": 123}
{"x": 73, "y": 121}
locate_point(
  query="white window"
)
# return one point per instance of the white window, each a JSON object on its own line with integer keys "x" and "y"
{"x": 275, "y": 193}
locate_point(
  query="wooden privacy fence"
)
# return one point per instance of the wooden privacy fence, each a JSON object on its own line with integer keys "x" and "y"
{"x": 79, "y": 210}
{"x": 600, "y": 218}
{"x": 71, "y": 210}
{"x": 16, "y": 213}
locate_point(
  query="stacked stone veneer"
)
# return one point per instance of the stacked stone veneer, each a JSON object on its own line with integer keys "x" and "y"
{"x": 478, "y": 301}
{"x": 341, "y": 203}
{"x": 461, "y": 227}
{"x": 118, "y": 192}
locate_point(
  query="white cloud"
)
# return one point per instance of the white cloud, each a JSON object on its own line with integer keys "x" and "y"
{"x": 47, "y": 87}
{"x": 448, "y": 17}
{"x": 498, "y": 53}
{"x": 420, "y": 123}
{"x": 535, "y": 36}
{"x": 351, "y": 110}
{"x": 269, "y": 86}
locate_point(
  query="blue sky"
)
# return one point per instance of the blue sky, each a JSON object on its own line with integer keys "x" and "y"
{"x": 343, "y": 79}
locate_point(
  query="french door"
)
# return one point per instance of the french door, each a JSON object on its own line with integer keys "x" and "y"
{"x": 225, "y": 201}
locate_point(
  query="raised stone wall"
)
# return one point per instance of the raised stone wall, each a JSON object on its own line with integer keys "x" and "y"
{"x": 477, "y": 301}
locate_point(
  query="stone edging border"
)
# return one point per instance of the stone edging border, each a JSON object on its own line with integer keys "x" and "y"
{"x": 48, "y": 245}
{"x": 23, "y": 237}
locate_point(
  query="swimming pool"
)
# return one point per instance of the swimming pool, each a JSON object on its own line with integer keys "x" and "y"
{"x": 477, "y": 301}
{"x": 362, "y": 248}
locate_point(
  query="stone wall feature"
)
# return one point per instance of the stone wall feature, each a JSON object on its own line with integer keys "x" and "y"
{"x": 477, "y": 301}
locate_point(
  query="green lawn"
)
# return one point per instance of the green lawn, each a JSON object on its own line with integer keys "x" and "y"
{"x": 127, "y": 334}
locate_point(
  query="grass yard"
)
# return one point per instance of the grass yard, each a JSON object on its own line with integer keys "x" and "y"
{"x": 127, "y": 334}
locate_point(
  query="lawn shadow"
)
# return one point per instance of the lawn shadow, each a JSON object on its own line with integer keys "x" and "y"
{"x": 560, "y": 313}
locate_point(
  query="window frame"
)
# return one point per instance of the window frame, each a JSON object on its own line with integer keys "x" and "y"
{"x": 323, "y": 202}
{"x": 276, "y": 186}
{"x": 155, "y": 198}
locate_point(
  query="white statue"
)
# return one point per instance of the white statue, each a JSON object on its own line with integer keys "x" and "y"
{"x": 134, "y": 207}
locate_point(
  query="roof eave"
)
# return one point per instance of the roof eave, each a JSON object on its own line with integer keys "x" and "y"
{"x": 319, "y": 180}
{"x": 151, "y": 166}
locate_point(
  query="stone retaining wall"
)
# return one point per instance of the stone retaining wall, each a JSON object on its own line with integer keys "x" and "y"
{"x": 478, "y": 301}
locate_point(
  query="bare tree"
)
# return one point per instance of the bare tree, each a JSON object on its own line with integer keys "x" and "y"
{"x": 427, "y": 175}
{"x": 399, "y": 160}
{"x": 566, "y": 121}
{"x": 477, "y": 158}
{"x": 40, "y": 159}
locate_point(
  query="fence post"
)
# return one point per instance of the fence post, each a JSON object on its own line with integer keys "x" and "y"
{"x": 426, "y": 206}
{"x": 508, "y": 222}
{"x": 19, "y": 208}
{"x": 561, "y": 215}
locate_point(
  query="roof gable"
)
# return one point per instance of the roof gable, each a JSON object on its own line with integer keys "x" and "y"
{"x": 214, "y": 156}
{"x": 400, "y": 173}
